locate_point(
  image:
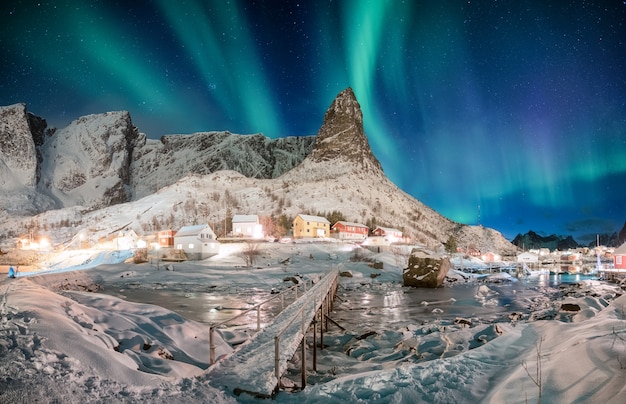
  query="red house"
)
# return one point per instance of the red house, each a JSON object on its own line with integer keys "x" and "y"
{"x": 619, "y": 257}
{"x": 349, "y": 231}
{"x": 166, "y": 238}
{"x": 390, "y": 235}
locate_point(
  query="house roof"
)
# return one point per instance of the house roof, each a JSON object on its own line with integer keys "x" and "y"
{"x": 245, "y": 218}
{"x": 621, "y": 250}
{"x": 350, "y": 224}
{"x": 191, "y": 230}
{"x": 527, "y": 254}
{"x": 389, "y": 229}
{"x": 310, "y": 218}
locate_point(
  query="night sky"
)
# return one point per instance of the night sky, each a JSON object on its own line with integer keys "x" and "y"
{"x": 511, "y": 114}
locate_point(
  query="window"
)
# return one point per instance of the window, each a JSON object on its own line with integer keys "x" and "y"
{"x": 191, "y": 246}
{"x": 618, "y": 259}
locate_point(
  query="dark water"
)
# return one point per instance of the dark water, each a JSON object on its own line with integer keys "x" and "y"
{"x": 376, "y": 306}
{"x": 208, "y": 307}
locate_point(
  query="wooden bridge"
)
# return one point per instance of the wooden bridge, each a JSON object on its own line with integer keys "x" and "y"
{"x": 256, "y": 366}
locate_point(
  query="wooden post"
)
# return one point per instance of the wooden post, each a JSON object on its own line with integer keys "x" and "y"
{"x": 258, "y": 318}
{"x": 315, "y": 341}
{"x": 277, "y": 359}
{"x": 211, "y": 347}
{"x": 303, "y": 353}
{"x": 322, "y": 326}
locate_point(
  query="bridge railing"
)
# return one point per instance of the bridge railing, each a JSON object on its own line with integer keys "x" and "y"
{"x": 306, "y": 314}
{"x": 256, "y": 307}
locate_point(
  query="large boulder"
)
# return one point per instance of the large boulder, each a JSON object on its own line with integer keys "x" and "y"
{"x": 425, "y": 270}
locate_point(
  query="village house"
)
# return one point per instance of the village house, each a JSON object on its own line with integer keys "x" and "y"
{"x": 305, "y": 226}
{"x": 491, "y": 257}
{"x": 125, "y": 240}
{"x": 528, "y": 257}
{"x": 619, "y": 257}
{"x": 165, "y": 238}
{"x": 390, "y": 235}
{"x": 247, "y": 226}
{"x": 349, "y": 231}
{"x": 197, "y": 242}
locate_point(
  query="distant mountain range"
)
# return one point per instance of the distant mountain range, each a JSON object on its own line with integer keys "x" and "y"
{"x": 101, "y": 173}
{"x": 532, "y": 240}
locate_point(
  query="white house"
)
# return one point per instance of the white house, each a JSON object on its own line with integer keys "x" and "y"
{"x": 197, "y": 242}
{"x": 247, "y": 226}
{"x": 527, "y": 257}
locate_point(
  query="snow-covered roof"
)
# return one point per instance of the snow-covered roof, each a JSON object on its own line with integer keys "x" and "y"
{"x": 311, "y": 218}
{"x": 191, "y": 230}
{"x": 389, "y": 229}
{"x": 245, "y": 218}
{"x": 350, "y": 224}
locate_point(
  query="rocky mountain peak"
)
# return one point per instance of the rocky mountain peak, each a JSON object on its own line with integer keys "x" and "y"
{"x": 342, "y": 136}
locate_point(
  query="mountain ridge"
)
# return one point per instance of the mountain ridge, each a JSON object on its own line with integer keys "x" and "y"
{"x": 335, "y": 170}
{"x": 533, "y": 240}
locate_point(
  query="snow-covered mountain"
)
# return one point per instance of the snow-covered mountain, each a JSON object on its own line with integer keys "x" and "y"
{"x": 108, "y": 176}
{"x": 102, "y": 159}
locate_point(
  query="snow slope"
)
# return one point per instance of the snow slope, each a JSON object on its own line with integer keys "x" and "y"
{"x": 61, "y": 343}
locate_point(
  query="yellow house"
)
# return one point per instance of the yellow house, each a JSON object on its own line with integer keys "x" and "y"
{"x": 310, "y": 226}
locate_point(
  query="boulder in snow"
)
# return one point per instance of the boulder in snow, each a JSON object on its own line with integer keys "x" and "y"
{"x": 425, "y": 270}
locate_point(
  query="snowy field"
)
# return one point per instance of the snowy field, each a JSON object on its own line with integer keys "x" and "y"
{"x": 95, "y": 327}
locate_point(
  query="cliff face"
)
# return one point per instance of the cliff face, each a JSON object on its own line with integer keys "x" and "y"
{"x": 160, "y": 163}
{"x": 18, "y": 157}
{"x": 88, "y": 162}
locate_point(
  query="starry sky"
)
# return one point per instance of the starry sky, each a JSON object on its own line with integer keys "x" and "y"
{"x": 509, "y": 114}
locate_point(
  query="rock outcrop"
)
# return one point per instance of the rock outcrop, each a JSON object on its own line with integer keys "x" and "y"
{"x": 342, "y": 137}
{"x": 425, "y": 270}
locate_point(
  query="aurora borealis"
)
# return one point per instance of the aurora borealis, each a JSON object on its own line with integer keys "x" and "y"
{"x": 511, "y": 114}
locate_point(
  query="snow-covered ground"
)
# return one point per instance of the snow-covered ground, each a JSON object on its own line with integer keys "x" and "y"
{"x": 66, "y": 335}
